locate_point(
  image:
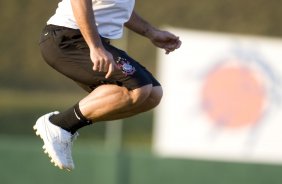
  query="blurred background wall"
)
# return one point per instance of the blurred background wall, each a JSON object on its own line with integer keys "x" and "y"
{"x": 29, "y": 88}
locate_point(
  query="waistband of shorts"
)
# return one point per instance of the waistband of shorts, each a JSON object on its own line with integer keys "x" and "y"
{"x": 50, "y": 27}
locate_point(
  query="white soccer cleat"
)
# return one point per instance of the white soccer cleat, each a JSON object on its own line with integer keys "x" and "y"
{"x": 57, "y": 142}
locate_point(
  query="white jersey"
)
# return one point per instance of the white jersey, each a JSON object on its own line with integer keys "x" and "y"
{"x": 110, "y": 16}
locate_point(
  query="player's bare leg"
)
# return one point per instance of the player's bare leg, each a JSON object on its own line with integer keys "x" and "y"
{"x": 110, "y": 102}
{"x": 149, "y": 103}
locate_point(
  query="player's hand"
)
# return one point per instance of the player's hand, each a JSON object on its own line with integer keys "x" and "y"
{"x": 165, "y": 40}
{"x": 103, "y": 61}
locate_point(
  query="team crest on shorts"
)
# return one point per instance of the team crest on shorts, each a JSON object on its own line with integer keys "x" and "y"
{"x": 125, "y": 66}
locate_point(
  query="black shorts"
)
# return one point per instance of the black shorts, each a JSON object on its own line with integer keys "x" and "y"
{"x": 65, "y": 50}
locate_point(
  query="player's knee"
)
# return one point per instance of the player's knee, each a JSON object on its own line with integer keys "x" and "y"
{"x": 155, "y": 97}
{"x": 158, "y": 94}
{"x": 139, "y": 95}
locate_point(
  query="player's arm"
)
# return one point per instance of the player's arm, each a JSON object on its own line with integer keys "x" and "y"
{"x": 162, "y": 39}
{"x": 83, "y": 13}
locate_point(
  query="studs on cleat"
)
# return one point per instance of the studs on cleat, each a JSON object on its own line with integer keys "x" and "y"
{"x": 36, "y": 131}
{"x": 58, "y": 151}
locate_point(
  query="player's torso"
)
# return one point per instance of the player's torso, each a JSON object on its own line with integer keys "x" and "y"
{"x": 110, "y": 15}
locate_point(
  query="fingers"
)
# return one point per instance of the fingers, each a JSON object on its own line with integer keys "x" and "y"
{"x": 109, "y": 67}
{"x": 95, "y": 65}
{"x": 172, "y": 45}
{"x": 110, "y": 71}
{"x": 167, "y": 41}
{"x": 178, "y": 43}
{"x": 100, "y": 65}
{"x": 104, "y": 64}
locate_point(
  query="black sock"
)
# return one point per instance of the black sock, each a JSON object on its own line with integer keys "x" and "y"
{"x": 71, "y": 120}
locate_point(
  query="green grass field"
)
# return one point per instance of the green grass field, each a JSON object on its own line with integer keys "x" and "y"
{"x": 22, "y": 160}
{"x": 20, "y": 109}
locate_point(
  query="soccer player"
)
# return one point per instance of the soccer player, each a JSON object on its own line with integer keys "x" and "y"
{"x": 77, "y": 43}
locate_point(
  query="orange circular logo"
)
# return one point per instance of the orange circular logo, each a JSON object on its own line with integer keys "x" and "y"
{"x": 233, "y": 96}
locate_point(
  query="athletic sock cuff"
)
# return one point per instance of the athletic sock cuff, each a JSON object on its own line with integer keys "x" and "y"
{"x": 80, "y": 115}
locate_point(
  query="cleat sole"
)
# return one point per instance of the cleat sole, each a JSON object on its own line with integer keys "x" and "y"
{"x": 46, "y": 151}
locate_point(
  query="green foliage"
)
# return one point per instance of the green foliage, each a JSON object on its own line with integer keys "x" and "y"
{"x": 260, "y": 17}
{"x": 22, "y": 20}
{"x": 22, "y": 67}
{"x": 20, "y": 109}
